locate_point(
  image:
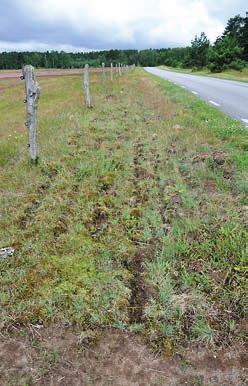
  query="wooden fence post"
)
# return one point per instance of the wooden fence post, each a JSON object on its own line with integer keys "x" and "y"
{"x": 103, "y": 75}
{"x": 111, "y": 72}
{"x": 86, "y": 86}
{"x": 32, "y": 95}
{"x": 119, "y": 69}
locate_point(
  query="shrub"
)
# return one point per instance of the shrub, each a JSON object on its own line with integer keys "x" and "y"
{"x": 237, "y": 65}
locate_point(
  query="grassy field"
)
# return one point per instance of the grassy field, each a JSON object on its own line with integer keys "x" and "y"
{"x": 241, "y": 76}
{"x": 135, "y": 217}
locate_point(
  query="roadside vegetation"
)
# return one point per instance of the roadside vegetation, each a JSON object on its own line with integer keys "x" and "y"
{"x": 135, "y": 217}
{"x": 241, "y": 76}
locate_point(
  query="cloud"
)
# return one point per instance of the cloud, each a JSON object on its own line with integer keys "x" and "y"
{"x": 96, "y": 24}
{"x": 36, "y": 46}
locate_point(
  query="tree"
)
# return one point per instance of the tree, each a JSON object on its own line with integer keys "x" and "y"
{"x": 234, "y": 27}
{"x": 226, "y": 53}
{"x": 231, "y": 47}
{"x": 148, "y": 57}
{"x": 199, "y": 51}
{"x": 244, "y": 38}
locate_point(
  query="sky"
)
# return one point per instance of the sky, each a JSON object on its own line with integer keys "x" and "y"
{"x": 80, "y": 25}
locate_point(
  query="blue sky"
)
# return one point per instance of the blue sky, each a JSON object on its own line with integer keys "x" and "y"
{"x": 76, "y": 25}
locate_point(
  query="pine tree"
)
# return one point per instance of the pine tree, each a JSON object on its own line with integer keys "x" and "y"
{"x": 199, "y": 51}
{"x": 225, "y": 53}
{"x": 234, "y": 27}
{"x": 244, "y": 38}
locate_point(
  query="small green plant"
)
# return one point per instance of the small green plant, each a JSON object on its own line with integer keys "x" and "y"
{"x": 53, "y": 356}
{"x": 202, "y": 331}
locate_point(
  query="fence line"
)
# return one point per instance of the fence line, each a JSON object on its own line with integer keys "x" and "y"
{"x": 32, "y": 91}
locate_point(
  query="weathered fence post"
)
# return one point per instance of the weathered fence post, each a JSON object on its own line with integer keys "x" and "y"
{"x": 111, "y": 72}
{"x": 32, "y": 95}
{"x": 103, "y": 75}
{"x": 116, "y": 68}
{"x": 86, "y": 86}
{"x": 119, "y": 69}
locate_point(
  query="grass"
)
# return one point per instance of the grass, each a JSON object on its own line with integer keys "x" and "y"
{"x": 135, "y": 216}
{"x": 229, "y": 74}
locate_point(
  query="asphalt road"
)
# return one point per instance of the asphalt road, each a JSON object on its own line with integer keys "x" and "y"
{"x": 229, "y": 96}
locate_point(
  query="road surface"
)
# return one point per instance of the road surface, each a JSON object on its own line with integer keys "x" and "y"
{"x": 229, "y": 96}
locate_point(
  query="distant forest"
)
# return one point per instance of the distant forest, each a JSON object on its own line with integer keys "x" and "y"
{"x": 230, "y": 50}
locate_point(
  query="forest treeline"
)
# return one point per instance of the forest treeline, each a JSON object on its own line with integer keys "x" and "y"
{"x": 230, "y": 50}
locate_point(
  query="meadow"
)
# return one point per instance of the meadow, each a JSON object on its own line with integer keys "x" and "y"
{"x": 135, "y": 218}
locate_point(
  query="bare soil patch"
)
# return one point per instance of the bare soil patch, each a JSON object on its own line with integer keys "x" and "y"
{"x": 61, "y": 355}
{"x": 42, "y": 73}
{"x": 219, "y": 158}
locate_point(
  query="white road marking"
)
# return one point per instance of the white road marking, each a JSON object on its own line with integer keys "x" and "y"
{"x": 214, "y": 103}
{"x": 194, "y": 92}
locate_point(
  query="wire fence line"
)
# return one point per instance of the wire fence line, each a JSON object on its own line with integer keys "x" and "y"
{"x": 32, "y": 95}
